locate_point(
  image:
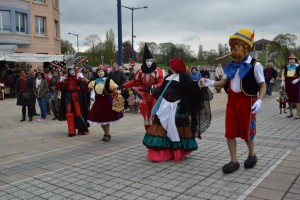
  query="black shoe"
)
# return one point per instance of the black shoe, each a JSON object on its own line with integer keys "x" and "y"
{"x": 30, "y": 119}
{"x": 230, "y": 167}
{"x": 55, "y": 118}
{"x": 71, "y": 135}
{"x": 290, "y": 116}
{"x": 250, "y": 162}
{"x": 36, "y": 114}
{"x": 22, "y": 120}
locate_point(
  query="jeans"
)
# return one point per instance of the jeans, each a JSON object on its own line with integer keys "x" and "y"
{"x": 269, "y": 88}
{"x": 43, "y": 106}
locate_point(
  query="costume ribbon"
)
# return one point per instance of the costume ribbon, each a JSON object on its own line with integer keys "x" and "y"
{"x": 100, "y": 80}
{"x": 231, "y": 68}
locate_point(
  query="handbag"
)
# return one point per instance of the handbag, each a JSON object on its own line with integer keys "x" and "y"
{"x": 158, "y": 102}
{"x": 26, "y": 96}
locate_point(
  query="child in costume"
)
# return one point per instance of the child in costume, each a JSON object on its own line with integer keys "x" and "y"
{"x": 282, "y": 101}
{"x": 243, "y": 80}
{"x": 131, "y": 101}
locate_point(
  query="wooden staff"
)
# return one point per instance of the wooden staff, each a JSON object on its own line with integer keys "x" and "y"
{"x": 225, "y": 56}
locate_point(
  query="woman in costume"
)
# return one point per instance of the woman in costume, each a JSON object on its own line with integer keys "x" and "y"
{"x": 184, "y": 113}
{"x": 108, "y": 105}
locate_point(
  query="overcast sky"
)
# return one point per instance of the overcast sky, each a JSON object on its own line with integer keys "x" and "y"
{"x": 191, "y": 22}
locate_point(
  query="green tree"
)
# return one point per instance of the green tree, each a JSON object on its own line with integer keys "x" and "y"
{"x": 281, "y": 47}
{"x": 67, "y": 47}
{"x": 262, "y": 58}
{"x": 109, "y": 47}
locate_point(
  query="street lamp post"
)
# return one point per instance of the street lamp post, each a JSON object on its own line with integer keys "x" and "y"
{"x": 77, "y": 42}
{"x": 132, "y": 9}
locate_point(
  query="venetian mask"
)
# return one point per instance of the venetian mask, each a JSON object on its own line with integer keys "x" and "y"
{"x": 71, "y": 72}
{"x": 149, "y": 62}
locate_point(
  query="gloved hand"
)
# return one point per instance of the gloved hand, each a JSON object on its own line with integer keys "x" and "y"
{"x": 92, "y": 96}
{"x": 154, "y": 90}
{"x": 204, "y": 82}
{"x": 62, "y": 78}
{"x": 295, "y": 81}
{"x": 282, "y": 84}
{"x": 256, "y": 106}
{"x": 80, "y": 75}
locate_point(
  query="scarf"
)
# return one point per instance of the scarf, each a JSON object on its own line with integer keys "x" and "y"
{"x": 232, "y": 67}
{"x": 22, "y": 84}
{"x": 291, "y": 66}
{"x": 100, "y": 80}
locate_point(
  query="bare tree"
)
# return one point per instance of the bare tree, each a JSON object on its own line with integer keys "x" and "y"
{"x": 92, "y": 41}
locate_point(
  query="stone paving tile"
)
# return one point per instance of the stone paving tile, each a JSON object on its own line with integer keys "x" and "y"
{"x": 140, "y": 178}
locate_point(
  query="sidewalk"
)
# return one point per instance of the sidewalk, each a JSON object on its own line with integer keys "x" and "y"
{"x": 39, "y": 161}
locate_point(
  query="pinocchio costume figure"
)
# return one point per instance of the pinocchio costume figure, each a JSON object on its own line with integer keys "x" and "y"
{"x": 282, "y": 99}
{"x": 244, "y": 83}
{"x": 147, "y": 79}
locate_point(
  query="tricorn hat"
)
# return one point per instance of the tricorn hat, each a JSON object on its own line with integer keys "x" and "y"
{"x": 292, "y": 56}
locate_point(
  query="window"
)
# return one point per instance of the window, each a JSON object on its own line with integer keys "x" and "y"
{"x": 40, "y": 25}
{"x": 56, "y": 29}
{"x": 21, "y": 22}
{"x": 5, "y": 24}
{"x": 40, "y": 1}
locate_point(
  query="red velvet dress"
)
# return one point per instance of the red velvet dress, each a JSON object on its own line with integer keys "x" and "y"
{"x": 101, "y": 112}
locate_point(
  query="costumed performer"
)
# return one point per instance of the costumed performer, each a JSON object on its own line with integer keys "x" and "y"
{"x": 147, "y": 79}
{"x": 290, "y": 81}
{"x": 242, "y": 81}
{"x": 73, "y": 107}
{"x": 108, "y": 105}
{"x": 172, "y": 134}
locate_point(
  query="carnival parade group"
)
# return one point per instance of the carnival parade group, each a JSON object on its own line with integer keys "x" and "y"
{"x": 174, "y": 107}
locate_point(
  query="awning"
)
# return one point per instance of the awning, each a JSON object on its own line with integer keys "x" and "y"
{"x": 29, "y": 57}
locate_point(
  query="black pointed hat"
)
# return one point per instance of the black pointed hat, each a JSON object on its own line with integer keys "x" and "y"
{"x": 147, "y": 53}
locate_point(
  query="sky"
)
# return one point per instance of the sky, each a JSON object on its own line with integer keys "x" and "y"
{"x": 190, "y": 22}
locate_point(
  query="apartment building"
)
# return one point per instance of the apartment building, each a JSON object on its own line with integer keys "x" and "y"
{"x": 30, "y": 26}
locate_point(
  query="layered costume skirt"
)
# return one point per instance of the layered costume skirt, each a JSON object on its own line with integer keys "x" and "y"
{"x": 101, "y": 112}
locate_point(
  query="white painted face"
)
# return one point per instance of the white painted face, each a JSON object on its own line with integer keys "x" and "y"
{"x": 292, "y": 61}
{"x": 101, "y": 73}
{"x": 72, "y": 72}
{"x": 149, "y": 62}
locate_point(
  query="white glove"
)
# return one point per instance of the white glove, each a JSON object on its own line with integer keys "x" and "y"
{"x": 62, "y": 78}
{"x": 282, "y": 84}
{"x": 256, "y": 106}
{"x": 92, "y": 96}
{"x": 80, "y": 75}
{"x": 207, "y": 82}
{"x": 295, "y": 81}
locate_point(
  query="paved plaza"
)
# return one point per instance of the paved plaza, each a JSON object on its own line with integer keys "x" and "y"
{"x": 39, "y": 161}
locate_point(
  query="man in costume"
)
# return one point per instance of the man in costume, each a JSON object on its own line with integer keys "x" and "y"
{"x": 243, "y": 80}
{"x": 290, "y": 81}
{"x": 147, "y": 79}
{"x": 74, "y": 107}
